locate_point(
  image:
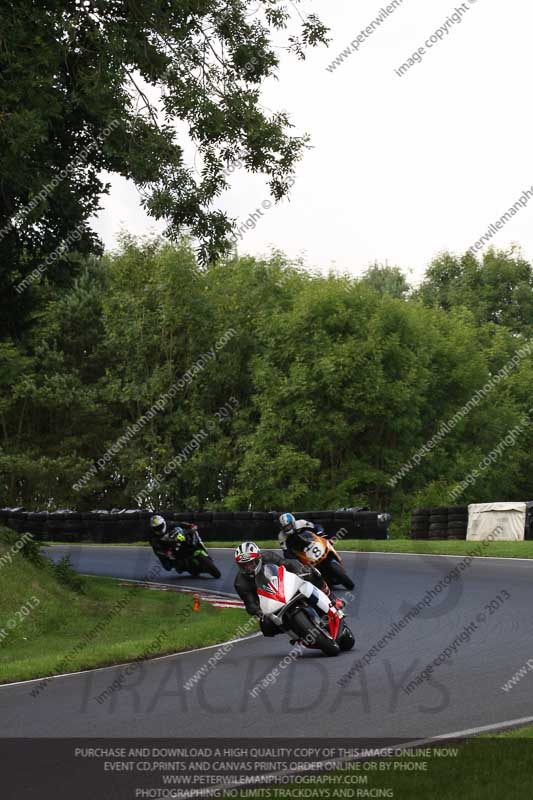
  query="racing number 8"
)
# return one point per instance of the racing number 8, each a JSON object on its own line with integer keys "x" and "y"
{"x": 314, "y": 551}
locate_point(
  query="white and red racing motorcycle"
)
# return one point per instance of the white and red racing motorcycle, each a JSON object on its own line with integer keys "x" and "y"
{"x": 287, "y": 600}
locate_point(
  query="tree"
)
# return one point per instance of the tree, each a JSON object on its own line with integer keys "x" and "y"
{"x": 498, "y": 289}
{"x": 332, "y": 389}
{"x": 78, "y": 96}
{"x": 386, "y": 280}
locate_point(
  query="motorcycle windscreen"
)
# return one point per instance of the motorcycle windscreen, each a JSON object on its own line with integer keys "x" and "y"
{"x": 267, "y": 577}
{"x": 275, "y": 587}
{"x": 300, "y": 540}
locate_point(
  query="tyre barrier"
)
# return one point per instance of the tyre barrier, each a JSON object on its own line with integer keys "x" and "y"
{"x": 442, "y": 522}
{"x": 131, "y": 525}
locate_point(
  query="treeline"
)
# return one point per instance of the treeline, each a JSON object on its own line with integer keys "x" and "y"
{"x": 255, "y": 383}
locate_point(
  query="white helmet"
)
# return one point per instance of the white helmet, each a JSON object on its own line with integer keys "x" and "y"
{"x": 248, "y": 558}
{"x": 158, "y": 524}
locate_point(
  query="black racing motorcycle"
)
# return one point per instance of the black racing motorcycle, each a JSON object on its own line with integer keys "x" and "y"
{"x": 187, "y": 553}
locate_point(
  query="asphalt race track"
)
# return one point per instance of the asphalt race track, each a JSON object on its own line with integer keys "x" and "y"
{"x": 463, "y": 693}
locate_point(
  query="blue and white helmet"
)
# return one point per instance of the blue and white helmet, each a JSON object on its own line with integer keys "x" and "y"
{"x": 288, "y": 523}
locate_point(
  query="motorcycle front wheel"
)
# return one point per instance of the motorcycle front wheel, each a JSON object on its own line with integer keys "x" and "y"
{"x": 346, "y": 639}
{"x": 335, "y": 573}
{"x": 208, "y": 565}
{"x": 302, "y": 625}
{"x": 188, "y": 566}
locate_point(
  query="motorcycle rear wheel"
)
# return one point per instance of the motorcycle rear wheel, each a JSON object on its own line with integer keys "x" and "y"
{"x": 302, "y": 625}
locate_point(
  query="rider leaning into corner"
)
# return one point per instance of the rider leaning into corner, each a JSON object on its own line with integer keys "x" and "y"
{"x": 250, "y": 559}
{"x": 290, "y": 525}
{"x": 184, "y": 538}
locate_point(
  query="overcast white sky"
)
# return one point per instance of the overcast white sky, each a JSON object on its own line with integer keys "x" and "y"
{"x": 401, "y": 167}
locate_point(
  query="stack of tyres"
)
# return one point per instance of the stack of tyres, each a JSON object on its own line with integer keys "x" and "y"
{"x": 324, "y": 518}
{"x": 343, "y": 526}
{"x": 204, "y": 520}
{"x": 223, "y": 526}
{"x": 73, "y": 525}
{"x": 243, "y": 527}
{"x": 264, "y": 526}
{"x": 89, "y": 527}
{"x": 144, "y": 522}
{"x": 110, "y": 526}
{"x": 171, "y": 517}
{"x": 529, "y": 520}
{"x": 368, "y": 526}
{"x": 130, "y": 528}
{"x": 420, "y": 523}
{"x": 17, "y": 519}
{"x": 177, "y": 517}
{"x": 348, "y": 523}
{"x": 97, "y": 524}
{"x": 457, "y": 522}
{"x": 274, "y": 524}
{"x": 56, "y": 526}
{"x": 438, "y": 523}
{"x": 37, "y": 524}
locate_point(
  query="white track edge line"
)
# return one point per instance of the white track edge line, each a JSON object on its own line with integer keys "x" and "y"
{"x": 196, "y": 589}
{"x": 264, "y": 779}
{"x": 125, "y": 663}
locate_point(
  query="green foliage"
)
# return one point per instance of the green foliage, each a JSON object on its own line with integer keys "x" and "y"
{"x": 335, "y": 384}
{"x": 7, "y": 537}
{"x": 67, "y": 576}
{"x": 387, "y": 280}
{"x": 498, "y": 289}
{"x": 31, "y": 550}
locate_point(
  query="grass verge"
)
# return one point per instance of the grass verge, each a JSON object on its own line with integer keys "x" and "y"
{"x": 53, "y": 621}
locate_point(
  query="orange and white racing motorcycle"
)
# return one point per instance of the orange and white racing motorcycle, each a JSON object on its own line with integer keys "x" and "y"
{"x": 317, "y": 551}
{"x": 302, "y": 611}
